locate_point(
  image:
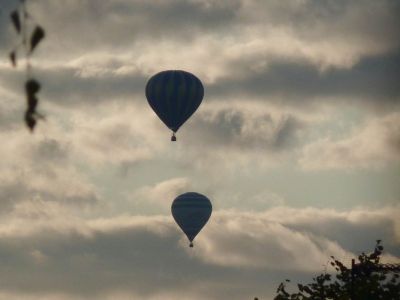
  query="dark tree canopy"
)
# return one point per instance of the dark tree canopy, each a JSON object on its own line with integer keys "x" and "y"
{"x": 366, "y": 279}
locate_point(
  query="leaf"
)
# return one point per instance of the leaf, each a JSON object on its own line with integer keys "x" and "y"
{"x": 13, "y": 58}
{"x": 32, "y": 86}
{"x": 37, "y": 35}
{"x": 30, "y": 120}
{"x": 32, "y": 103}
{"x": 15, "y": 20}
{"x": 307, "y": 290}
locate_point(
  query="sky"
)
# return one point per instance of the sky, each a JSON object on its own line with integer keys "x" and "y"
{"x": 296, "y": 143}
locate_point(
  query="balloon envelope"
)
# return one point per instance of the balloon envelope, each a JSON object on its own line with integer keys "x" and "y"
{"x": 174, "y": 96}
{"x": 191, "y": 212}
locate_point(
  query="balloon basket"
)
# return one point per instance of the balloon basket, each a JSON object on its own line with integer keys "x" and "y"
{"x": 191, "y": 245}
{"x": 173, "y": 138}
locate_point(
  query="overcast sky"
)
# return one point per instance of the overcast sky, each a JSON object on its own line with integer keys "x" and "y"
{"x": 296, "y": 143}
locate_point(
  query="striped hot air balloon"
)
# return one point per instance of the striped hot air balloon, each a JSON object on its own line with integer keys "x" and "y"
{"x": 191, "y": 212}
{"x": 174, "y": 96}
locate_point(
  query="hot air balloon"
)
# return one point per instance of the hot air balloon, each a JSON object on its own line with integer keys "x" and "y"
{"x": 191, "y": 212}
{"x": 174, "y": 96}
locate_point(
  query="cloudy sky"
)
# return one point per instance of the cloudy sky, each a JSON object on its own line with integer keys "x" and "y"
{"x": 296, "y": 143}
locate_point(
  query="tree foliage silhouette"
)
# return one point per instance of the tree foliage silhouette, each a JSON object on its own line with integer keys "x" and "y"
{"x": 366, "y": 279}
{"x": 30, "y": 34}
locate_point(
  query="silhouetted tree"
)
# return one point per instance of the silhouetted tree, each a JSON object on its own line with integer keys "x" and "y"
{"x": 366, "y": 279}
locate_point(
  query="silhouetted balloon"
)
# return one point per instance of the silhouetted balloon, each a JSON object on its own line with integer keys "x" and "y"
{"x": 191, "y": 212}
{"x": 174, "y": 96}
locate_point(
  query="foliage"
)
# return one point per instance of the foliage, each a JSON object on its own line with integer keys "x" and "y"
{"x": 366, "y": 279}
{"x": 30, "y": 35}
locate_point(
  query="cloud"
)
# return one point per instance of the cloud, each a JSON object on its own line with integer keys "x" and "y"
{"x": 39, "y": 167}
{"x": 163, "y": 193}
{"x": 121, "y": 135}
{"x": 296, "y": 52}
{"x": 234, "y": 128}
{"x": 235, "y": 135}
{"x": 121, "y": 255}
{"x": 52, "y": 184}
{"x": 124, "y": 22}
{"x": 302, "y": 29}
{"x": 332, "y": 224}
{"x": 280, "y": 79}
{"x": 257, "y": 243}
{"x": 374, "y": 145}
{"x": 305, "y": 237}
{"x": 292, "y": 82}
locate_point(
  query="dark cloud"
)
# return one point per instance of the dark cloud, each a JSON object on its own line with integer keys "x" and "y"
{"x": 372, "y": 80}
{"x": 235, "y": 129}
{"x": 117, "y": 24}
{"x": 82, "y": 28}
{"x": 236, "y": 256}
{"x": 67, "y": 88}
{"x": 351, "y": 21}
{"x": 121, "y": 22}
{"x": 14, "y": 193}
{"x": 135, "y": 261}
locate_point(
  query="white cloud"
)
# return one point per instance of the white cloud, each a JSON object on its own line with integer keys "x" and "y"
{"x": 251, "y": 241}
{"x": 122, "y": 135}
{"x": 374, "y": 145}
{"x": 163, "y": 193}
{"x": 36, "y": 167}
{"x": 125, "y": 254}
{"x": 295, "y": 239}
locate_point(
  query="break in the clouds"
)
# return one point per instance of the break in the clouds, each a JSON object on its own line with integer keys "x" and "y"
{"x": 296, "y": 144}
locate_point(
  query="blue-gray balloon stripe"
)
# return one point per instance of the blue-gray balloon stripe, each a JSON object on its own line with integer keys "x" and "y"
{"x": 155, "y": 89}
